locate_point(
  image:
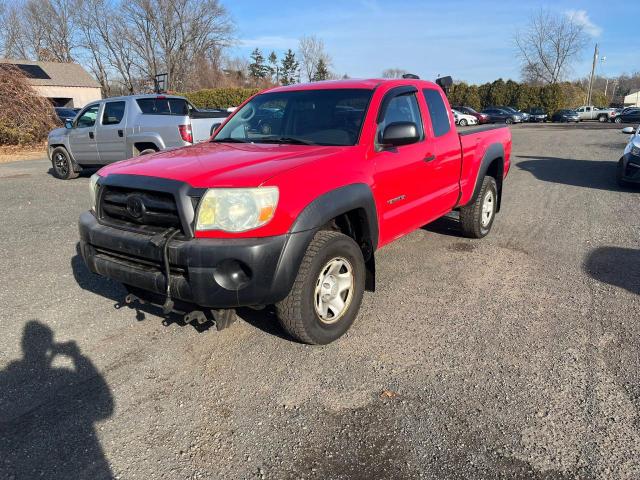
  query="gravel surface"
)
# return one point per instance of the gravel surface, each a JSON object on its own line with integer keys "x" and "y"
{"x": 515, "y": 356}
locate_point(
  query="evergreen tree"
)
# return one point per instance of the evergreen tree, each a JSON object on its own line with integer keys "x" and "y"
{"x": 322, "y": 72}
{"x": 289, "y": 71}
{"x": 273, "y": 67}
{"x": 257, "y": 69}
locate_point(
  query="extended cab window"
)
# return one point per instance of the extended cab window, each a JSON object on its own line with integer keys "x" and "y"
{"x": 402, "y": 108}
{"x": 163, "y": 106}
{"x": 88, "y": 117}
{"x": 437, "y": 112}
{"x": 316, "y": 117}
{"x": 113, "y": 113}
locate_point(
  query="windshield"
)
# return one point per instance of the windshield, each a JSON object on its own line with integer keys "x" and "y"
{"x": 314, "y": 117}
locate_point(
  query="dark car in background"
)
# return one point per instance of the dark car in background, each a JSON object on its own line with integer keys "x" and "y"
{"x": 537, "y": 114}
{"x": 565, "y": 115}
{"x": 500, "y": 115}
{"x": 482, "y": 118}
{"x": 628, "y": 115}
{"x": 65, "y": 113}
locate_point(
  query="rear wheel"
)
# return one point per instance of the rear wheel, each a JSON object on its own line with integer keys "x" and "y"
{"x": 617, "y": 120}
{"x": 476, "y": 218}
{"x": 602, "y": 118}
{"x": 147, "y": 151}
{"x": 326, "y": 295}
{"x": 63, "y": 167}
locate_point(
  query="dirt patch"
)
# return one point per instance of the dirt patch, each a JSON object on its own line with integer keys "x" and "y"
{"x": 14, "y": 153}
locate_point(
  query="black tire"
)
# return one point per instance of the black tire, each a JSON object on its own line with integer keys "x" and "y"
{"x": 471, "y": 215}
{"x": 463, "y": 122}
{"x": 297, "y": 312}
{"x": 508, "y": 121}
{"x": 147, "y": 151}
{"x": 620, "y": 174}
{"x": 617, "y": 120}
{"x": 63, "y": 166}
{"x": 602, "y": 118}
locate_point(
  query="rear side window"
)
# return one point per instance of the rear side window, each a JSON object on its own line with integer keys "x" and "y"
{"x": 438, "y": 112}
{"x": 163, "y": 106}
{"x": 113, "y": 113}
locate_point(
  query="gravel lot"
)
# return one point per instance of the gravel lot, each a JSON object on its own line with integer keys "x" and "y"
{"x": 515, "y": 356}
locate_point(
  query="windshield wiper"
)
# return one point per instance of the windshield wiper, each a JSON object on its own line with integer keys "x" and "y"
{"x": 229, "y": 140}
{"x": 291, "y": 140}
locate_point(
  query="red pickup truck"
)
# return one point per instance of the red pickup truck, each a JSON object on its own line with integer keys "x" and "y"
{"x": 289, "y": 201}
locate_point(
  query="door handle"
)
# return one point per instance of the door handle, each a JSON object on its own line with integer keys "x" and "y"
{"x": 90, "y": 134}
{"x": 429, "y": 158}
{"x": 120, "y": 133}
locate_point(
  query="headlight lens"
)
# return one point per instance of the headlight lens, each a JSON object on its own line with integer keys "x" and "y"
{"x": 635, "y": 151}
{"x": 236, "y": 209}
{"x": 93, "y": 189}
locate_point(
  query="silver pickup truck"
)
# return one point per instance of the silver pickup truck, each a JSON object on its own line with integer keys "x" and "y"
{"x": 123, "y": 127}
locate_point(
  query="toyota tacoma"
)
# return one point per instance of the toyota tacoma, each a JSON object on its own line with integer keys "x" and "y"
{"x": 289, "y": 201}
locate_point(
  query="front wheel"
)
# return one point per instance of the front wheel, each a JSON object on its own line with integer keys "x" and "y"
{"x": 620, "y": 174}
{"x": 617, "y": 120}
{"x": 326, "y": 295}
{"x": 602, "y": 118}
{"x": 63, "y": 167}
{"x": 463, "y": 122}
{"x": 508, "y": 121}
{"x": 477, "y": 217}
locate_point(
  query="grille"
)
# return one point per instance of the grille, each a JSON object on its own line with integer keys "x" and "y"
{"x": 140, "y": 210}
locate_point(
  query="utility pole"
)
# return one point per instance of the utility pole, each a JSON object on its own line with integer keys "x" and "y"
{"x": 593, "y": 71}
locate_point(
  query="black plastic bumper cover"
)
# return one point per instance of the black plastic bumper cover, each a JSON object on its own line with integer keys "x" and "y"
{"x": 270, "y": 264}
{"x": 631, "y": 168}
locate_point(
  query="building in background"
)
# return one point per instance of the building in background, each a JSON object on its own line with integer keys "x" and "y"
{"x": 632, "y": 100}
{"x": 65, "y": 84}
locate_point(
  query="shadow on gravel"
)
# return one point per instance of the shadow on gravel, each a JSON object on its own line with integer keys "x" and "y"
{"x": 448, "y": 225}
{"x": 615, "y": 266}
{"x": 599, "y": 174}
{"x": 265, "y": 320}
{"x": 85, "y": 173}
{"x": 48, "y": 412}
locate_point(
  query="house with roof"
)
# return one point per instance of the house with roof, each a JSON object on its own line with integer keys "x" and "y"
{"x": 632, "y": 100}
{"x": 65, "y": 84}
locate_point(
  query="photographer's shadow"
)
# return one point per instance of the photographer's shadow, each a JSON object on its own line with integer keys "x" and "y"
{"x": 48, "y": 412}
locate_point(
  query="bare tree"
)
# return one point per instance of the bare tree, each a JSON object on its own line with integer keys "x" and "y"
{"x": 393, "y": 73}
{"x": 548, "y": 46}
{"x": 49, "y": 29}
{"x": 312, "y": 53}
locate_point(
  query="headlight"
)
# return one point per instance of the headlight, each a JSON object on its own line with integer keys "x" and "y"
{"x": 635, "y": 151}
{"x": 93, "y": 189}
{"x": 236, "y": 209}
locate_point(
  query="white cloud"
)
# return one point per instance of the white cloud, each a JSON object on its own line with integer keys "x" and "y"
{"x": 270, "y": 41}
{"x": 582, "y": 18}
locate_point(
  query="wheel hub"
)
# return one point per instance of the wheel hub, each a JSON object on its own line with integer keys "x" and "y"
{"x": 334, "y": 290}
{"x": 487, "y": 209}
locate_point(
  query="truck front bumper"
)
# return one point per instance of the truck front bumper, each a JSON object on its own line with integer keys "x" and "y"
{"x": 214, "y": 273}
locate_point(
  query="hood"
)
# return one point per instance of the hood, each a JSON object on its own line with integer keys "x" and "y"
{"x": 222, "y": 164}
{"x": 58, "y": 132}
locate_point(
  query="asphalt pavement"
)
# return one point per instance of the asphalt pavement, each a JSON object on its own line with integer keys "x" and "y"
{"x": 515, "y": 356}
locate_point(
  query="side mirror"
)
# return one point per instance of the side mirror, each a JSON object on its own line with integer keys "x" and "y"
{"x": 400, "y": 133}
{"x": 68, "y": 123}
{"x": 628, "y": 130}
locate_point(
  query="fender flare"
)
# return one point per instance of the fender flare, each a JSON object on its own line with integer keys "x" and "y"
{"x": 318, "y": 213}
{"x": 493, "y": 152}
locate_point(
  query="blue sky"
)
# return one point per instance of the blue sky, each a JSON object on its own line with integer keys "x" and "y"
{"x": 469, "y": 40}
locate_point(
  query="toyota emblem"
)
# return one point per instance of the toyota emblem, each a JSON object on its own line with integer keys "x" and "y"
{"x": 135, "y": 206}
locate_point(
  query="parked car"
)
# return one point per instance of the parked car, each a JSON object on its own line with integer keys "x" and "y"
{"x": 463, "y": 119}
{"x": 293, "y": 217}
{"x": 565, "y": 115}
{"x": 628, "y": 115}
{"x": 628, "y": 171}
{"x": 590, "y": 112}
{"x": 537, "y": 114}
{"x": 118, "y": 128}
{"x": 500, "y": 115}
{"x": 481, "y": 117}
{"x": 65, "y": 113}
{"x": 525, "y": 115}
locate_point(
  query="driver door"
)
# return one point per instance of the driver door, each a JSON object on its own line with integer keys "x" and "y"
{"x": 82, "y": 137}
